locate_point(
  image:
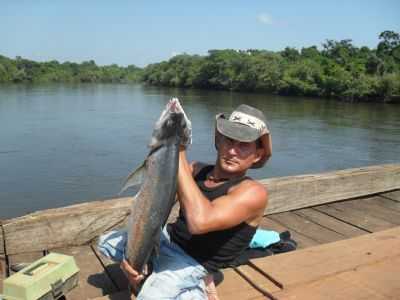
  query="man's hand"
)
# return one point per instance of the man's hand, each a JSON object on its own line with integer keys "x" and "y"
{"x": 134, "y": 277}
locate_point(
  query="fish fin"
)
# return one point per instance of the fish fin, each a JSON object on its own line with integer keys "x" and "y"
{"x": 135, "y": 178}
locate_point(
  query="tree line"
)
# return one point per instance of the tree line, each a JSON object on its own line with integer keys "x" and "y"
{"x": 20, "y": 70}
{"x": 338, "y": 70}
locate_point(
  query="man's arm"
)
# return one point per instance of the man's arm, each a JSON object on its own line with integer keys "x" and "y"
{"x": 246, "y": 202}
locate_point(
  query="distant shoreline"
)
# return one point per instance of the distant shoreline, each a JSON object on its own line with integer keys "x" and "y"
{"x": 339, "y": 71}
{"x": 394, "y": 100}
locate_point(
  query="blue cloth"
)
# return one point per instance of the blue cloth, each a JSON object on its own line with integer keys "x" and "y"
{"x": 263, "y": 238}
{"x": 175, "y": 274}
{"x": 112, "y": 244}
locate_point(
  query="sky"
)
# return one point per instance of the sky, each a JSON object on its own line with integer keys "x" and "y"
{"x": 144, "y": 32}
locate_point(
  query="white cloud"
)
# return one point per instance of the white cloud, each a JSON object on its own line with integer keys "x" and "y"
{"x": 175, "y": 53}
{"x": 265, "y": 18}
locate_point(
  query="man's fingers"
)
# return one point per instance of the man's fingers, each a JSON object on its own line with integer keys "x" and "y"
{"x": 133, "y": 276}
{"x": 127, "y": 267}
{"x": 140, "y": 277}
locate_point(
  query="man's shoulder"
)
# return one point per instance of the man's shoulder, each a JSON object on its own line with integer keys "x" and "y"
{"x": 252, "y": 185}
{"x": 251, "y": 196}
{"x": 251, "y": 190}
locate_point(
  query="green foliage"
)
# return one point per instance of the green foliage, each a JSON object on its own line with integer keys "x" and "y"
{"x": 390, "y": 42}
{"x": 302, "y": 78}
{"x": 21, "y": 70}
{"x": 340, "y": 70}
{"x": 388, "y": 86}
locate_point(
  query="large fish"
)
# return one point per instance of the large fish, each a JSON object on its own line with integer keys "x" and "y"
{"x": 158, "y": 176}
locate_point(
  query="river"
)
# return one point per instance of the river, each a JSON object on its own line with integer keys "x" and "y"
{"x": 67, "y": 144}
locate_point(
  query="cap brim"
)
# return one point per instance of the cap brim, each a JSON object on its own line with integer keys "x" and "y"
{"x": 237, "y": 131}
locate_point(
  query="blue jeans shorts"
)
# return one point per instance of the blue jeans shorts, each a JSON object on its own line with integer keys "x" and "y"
{"x": 176, "y": 275}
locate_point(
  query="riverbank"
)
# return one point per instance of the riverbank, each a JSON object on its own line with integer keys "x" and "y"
{"x": 337, "y": 70}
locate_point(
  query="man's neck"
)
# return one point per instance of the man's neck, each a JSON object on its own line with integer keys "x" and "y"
{"x": 219, "y": 175}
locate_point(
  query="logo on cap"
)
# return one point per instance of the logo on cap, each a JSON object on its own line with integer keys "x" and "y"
{"x": 245, "y": 119}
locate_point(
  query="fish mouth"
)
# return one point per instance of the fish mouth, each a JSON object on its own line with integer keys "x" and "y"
{"x": 174, "y": 106}
{"x": 173, "y": 122}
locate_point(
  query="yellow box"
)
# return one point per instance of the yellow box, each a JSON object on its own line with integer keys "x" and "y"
{"x": 48, "y": 278}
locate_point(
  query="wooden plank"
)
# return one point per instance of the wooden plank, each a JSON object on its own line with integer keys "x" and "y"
{"x": 2, "y": 273}
{"x": 258, "y": 279}
{"x": 122, "y": 295}
{"x": 307, "y": 227}
{"x": 28, "y": 257}
{"x": 326, "y": 221}
{"x": 113, "y": 271}
{"x": 269, "y": 224}
{"x": 63, "y": 227}
{"x": 311, "y": 264}
{"x": 288, "y": 193}
{"x": 93, "y": 281}
{"x": 394, "y": 195}
{"x": 378, "y": 278}
{"x": 376, "y": 281}
{"x": 1, "y": 240}
{"x": 80, "y": 224}
{"x": 385, "y": 202}
{"x": 301, "y": 240}
{"x": 2, "y": 259}
{"x": 174, "y": 213}
{"x": 354, "y": 216}
{"x": 327, "y": 288}
{"x": 371, "y": 207}
{"x": 234, "y": 287}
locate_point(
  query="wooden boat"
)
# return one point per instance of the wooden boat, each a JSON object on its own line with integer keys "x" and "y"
{"x": 346, "y": 224}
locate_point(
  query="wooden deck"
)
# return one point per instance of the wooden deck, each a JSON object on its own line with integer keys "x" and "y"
{"x": 350, "y": 250}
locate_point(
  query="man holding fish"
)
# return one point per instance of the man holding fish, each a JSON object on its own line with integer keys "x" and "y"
{"x": 220, "y": 209}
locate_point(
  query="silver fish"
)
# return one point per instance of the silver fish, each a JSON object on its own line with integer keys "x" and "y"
{"x": 158, "y": 175}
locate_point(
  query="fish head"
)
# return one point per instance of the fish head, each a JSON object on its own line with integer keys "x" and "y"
{"x": 173, "y": 125}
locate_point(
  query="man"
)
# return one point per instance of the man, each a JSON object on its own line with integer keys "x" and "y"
{"x": 220, "y": 211}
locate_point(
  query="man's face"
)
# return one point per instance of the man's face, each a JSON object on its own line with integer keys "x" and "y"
{"x": 235, "y": 156}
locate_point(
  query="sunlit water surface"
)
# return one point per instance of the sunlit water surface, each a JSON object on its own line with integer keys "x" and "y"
{"x": 66, "y": 144}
